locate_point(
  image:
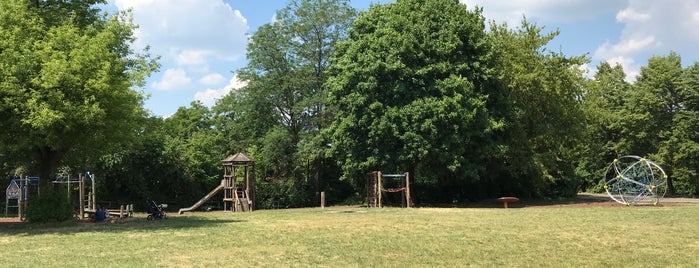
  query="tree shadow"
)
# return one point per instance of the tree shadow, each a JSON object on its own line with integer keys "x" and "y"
{"x": 124, "y": 225}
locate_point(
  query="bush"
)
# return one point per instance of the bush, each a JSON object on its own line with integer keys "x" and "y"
{"x": 51, "y": 206}
{"x": 282, "y": 193}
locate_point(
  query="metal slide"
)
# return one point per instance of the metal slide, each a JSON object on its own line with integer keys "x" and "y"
{"x": 202, "y": 201}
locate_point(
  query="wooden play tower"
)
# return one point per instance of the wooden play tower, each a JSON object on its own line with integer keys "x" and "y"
{"x": 238, "y": 195}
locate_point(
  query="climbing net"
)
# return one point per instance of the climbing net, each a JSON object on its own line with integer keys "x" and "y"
{"x": 633, "y": 180}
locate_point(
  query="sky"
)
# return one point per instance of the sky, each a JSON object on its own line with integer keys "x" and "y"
{"x": 201, "y": 43}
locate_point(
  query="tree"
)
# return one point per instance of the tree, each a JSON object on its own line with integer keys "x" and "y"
{"x": 193, "y": 141}
{"x": 678, "y": 94}
{"x": 243, "y": 118}
{"x": 66, "y": 80}
{"x": 542, "y": 107}
{"x": 651, "y": 105}
{"x": 682, "y": 148}
{"x": 650, "y": 108}
{"x": 316, "y": 26}
{"x": 603, "y": 103}
{"x": 411, "y": 90}
{"x": 286, "y": 76}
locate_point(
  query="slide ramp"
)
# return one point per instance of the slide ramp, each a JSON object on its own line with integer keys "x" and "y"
{"x": 202, "y": 201}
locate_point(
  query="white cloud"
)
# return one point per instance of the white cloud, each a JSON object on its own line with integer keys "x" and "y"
{"x": 586, "y": 70}
{"x": 192, "y": 57}
{"x": 629, "y": 14}
{"x": 628, "y": 64}
{"x": 208, "y": 97}
{"x": 653, "y": 28}
{"x": 625, "y": 47}
{"x": 549, "y": 10}
{"x": 172, "y": 78}
{"x": 189, "y": 31}
{"x": 211, "y": 79}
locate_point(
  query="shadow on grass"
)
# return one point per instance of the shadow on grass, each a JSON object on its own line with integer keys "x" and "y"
{"x": 125, "y": 225}
{"x": 581, "y": 200}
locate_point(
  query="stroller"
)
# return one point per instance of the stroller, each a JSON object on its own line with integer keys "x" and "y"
{"x": 155, "y": 211}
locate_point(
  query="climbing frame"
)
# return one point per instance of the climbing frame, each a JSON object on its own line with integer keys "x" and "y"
{"x": 375, "y": 188}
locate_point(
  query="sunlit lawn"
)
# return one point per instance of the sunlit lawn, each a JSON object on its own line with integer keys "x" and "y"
{"x": 358, "y": 237}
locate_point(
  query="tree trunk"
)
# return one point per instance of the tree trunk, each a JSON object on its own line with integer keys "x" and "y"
{"x": 48, "y": 161}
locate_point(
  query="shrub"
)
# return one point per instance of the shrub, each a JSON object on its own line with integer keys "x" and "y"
{"x": 51, "y": 206}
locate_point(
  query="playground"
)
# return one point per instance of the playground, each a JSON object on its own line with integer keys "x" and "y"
{"x": 587, "y": 230}
{"x": 237, "y": 185}
{"x": 81, "y": 190}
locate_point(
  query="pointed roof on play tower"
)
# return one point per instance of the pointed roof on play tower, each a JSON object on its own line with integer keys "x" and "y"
{"x": 239, "y": 159}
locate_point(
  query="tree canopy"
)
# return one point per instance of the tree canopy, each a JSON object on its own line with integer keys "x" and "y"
{"x": 67, "y": 78}
{"x": 411, "y": 86}
{"x": 471, "y": 110}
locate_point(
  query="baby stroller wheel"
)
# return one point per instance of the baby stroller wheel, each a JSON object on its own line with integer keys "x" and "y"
{"x": 150, "y": 217}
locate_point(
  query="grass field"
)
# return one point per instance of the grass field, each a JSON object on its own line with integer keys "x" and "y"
{"x": 542, "y": 236}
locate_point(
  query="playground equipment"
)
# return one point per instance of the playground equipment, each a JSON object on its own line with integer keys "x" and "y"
{"x": 375, "y": 188}
{"x": 506, "y": 200}
{"x": 87, "y": 203}
{"x": 633, "y": 180}
{"x": 235, "y": 198}
{"x": 18, "y": 190}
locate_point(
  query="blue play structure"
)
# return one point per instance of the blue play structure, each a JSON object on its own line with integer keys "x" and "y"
{"x": 18, "y": 192}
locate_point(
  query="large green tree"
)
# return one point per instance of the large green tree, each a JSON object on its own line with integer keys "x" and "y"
{"x": 681, "y": 149}
{"x": 603, "y": 103}
{"x": 654, "y": 117}
{"x": 544, "y": 117}
{"x": 284, "y": 105}
{"x": 661, "y": 117}
{"x": 411, "y": 86}
{"x": 199, "y": 147}
{"x": 67, "y": 74}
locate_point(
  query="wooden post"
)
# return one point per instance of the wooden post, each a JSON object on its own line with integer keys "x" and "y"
{"x": 407, "y": 188}
{"x": 247, "y": 179}
{"x": 251, "y": 190}
{"x": 94, "y": 194}
{"x": 121, "y": 211}
{"x": 322, "y": 199}
{"x": 38, "y": 187}
{"x": 20, "y": 201}
{"x": 82, "y": 196}
{"x": 373, "y": 189}
{"x": 378, "y": 178}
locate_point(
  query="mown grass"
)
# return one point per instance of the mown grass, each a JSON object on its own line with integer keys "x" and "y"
{"x": 358, "y": 237}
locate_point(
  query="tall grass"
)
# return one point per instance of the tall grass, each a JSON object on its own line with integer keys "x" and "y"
{"x": 357, "y": 237}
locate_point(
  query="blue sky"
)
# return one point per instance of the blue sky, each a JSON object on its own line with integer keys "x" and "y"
{"x": 202, "y": 42}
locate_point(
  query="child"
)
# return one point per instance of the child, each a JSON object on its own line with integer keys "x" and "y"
{"x": 100, "y": 214}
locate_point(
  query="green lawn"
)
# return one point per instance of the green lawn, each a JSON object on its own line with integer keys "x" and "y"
{"x": 556, "y": 236}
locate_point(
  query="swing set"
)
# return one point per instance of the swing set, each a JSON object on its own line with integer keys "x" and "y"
{"x": 375, "y": 188}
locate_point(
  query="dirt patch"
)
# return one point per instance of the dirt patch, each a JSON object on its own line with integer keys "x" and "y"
{"x": 582, "y": 200}
{"x": 602, "y": 200}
